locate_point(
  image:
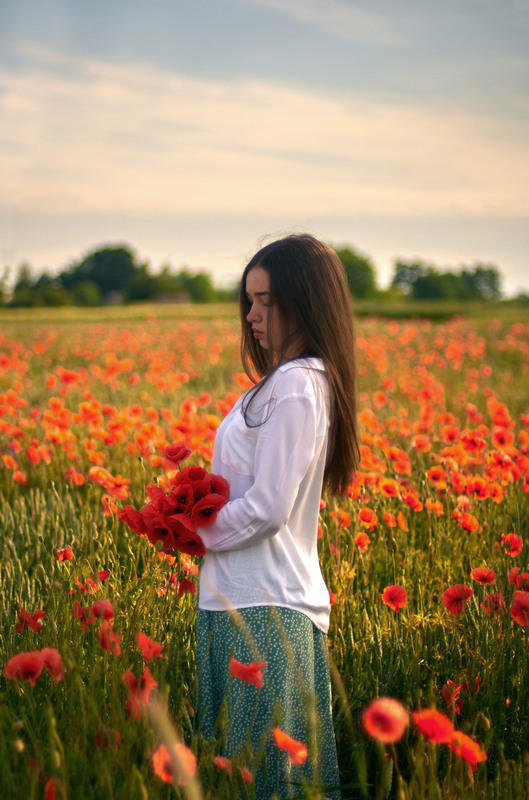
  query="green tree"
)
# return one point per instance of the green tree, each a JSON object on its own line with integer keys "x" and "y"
{"x": 406, "y": 273}
{"x": 23, "y": 294}
{"x": 359, "y": 270}
{"x": 3, "y": 286}
{"x": 111, "y": 269}
{"x": 198, "y": 286}
{"x": 86, "y": 293}
{"x": 49, "y": 292}
{"x": 422, "y": 281}
{"x": 483, "y": 281}
{"x": 434, "y": 285}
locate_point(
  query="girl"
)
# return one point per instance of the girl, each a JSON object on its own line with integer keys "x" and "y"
{"x": 262, "y": 597}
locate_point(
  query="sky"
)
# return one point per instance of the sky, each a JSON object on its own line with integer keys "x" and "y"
{"x": 194, "y": 131}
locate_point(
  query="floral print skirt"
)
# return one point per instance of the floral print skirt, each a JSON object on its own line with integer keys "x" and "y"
{"x": 237, "y": 716}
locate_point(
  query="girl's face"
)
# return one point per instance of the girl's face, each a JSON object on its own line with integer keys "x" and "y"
{"x": 264, "y": 315}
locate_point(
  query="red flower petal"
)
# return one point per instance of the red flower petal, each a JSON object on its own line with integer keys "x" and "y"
{"x": 434, "y": 725}
{"x": 455, "y": 598}
{"x": 385, "y": 719}
{"x": 297, "y": 751}
{"x": 249, "y": 673}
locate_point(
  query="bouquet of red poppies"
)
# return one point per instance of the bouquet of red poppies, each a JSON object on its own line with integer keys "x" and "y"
{"x": 174, "y": 517}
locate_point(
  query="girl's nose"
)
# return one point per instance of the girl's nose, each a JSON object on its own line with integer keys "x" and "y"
{"x": 252, "y": 314}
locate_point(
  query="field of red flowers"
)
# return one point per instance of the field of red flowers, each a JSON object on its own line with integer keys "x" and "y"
{"x": 425, "y": 560}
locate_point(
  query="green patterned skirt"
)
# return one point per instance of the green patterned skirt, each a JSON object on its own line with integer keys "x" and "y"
{"x": 238, "y": 718}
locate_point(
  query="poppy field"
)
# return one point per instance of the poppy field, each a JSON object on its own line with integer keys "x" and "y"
{"x": 425, "y": 557}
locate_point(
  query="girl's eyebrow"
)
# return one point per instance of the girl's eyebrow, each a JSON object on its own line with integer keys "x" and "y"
{"x": 259, "y": 294}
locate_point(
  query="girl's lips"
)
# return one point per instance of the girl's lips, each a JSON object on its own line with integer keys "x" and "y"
{"x": 257, "y": 334}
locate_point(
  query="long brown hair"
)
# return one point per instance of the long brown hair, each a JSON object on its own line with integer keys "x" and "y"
{"x": 308, "y": 284}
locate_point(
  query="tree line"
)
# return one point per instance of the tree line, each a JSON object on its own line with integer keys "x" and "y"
{"x": 110, "y": 275}
{"x": 113, "y": 275}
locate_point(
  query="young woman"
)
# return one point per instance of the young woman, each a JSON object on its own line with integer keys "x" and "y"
{"x": 262, "y": 597}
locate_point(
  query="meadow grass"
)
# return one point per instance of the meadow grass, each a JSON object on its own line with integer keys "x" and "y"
{"x": 82, "y": 392}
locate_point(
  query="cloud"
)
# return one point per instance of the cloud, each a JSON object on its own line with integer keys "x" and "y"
{"x": 338, "y": 18}
{"x": 89, "y": 136}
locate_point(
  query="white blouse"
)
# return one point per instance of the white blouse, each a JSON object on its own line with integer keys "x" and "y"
{"x": 262, "y": 548}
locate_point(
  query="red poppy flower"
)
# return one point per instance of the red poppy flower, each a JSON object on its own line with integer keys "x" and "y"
{"x": 109, "y": 506}
{"x": 25, "y": 667}
{"x": 395, "y": 597}
{"x": 218, "y": 485}
{"x": 434, "y": 507}
{"x": 77, "y": 478}
{"x": 468, "y": 521}
{"x": 65, "y": 554}
{"x": 103, "y": 609}
{"x": 450, "y": 692}
{"x": 483, "y": 575}
{"x": 413, "y": 501}
{"x": 297, "y": 751}
{"x": 109, "y": 640}
{"x": 433, "y": 725}
{"x": 246, "y": 775}
{"x": 84, "y": 613}
{"x": 520, "y": 608}
{"x": 172, "y": 518}
{"x": 189, "y": 474}
{"x": 496, "y": 493}
{"x": 223, "y": 763}
{"x": 437, "y": 475}
{"x": 522, "y": 581}
{"x": 117, "y": 486}
{"x": 30, "y": 620}
{"x": 89, "y": 586}
{"x": 149, "y": 648}
{"x": 385, "y": 719}
{"x": 161, "y": 502}
{"x": 455, "y": 598}
{"x": 342, "y": 517}
{"x": 176, "y": 767}
{"x": 478, "y": 486}
{"x": 402, "y": 522}
{"x": 467, "y": 749}
{"x": 502, "y": 438}
{"x": 421, "y": 443}
{"x": 513, "y": 544}
{"x": 185, "y": 586}
{"x": 206, "y": 509}
{"x": 188, "y": 542}
{"x": 133, "y": 518}
{"x": 52, "y": 661}
{"x": 363, "y": 541}
{"x": 368, "y": 518}
{"x": 184, "y": 498}
{"x": 493, "y": 603}
{"x": 472, "y": 442}
{"x": 512, "y": 575}
{"x": 249, "y": 673}
{"x": 389, "y": 487}
{"x": 139, "y": 691}
{"x": 54, "y": 790}
{"x": 174, "y": 454}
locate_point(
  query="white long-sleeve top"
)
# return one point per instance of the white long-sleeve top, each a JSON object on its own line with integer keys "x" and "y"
{"x": 262, "y": 548}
